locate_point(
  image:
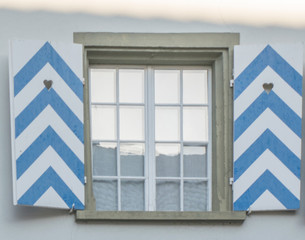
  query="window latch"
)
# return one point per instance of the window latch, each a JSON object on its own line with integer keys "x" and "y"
{"x": 231, "y": 180}
{"x": 232, "y": 83}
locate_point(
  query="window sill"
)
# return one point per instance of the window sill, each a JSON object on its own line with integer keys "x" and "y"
{"x": 88, "y": 215}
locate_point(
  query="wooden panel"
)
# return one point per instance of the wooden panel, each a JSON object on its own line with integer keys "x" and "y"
{"x": 47, "y": 124}
{"x": 267, "y": 127}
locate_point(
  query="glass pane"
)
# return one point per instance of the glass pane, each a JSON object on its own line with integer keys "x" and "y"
{"x": 131, "y": 84}
{"x": 167, "y": 86}
{"x": 132, "y": 123}
{"x": 195, "y": 196}
{"x": 167, "y": 123}
{"x": 194, "y": 161}
{"x": 195, "y": 86}
{"x": 132, "y": 195}
{"x": 102, "y": 85}
{"x": 104, "y": 159}
{"x": 103, "y": 122}
{"x": 132, "y": 159}
{"x": 195, "y": 124}
{"x": 106, "y": 195}
{"x": 168, "y": 195}
{"x": 168, "y": 160}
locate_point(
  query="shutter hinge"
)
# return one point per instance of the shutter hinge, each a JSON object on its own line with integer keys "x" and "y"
{"x": 231, "y": 180}
{"x": 85, "y": 179}
{"x": 72, "y": 208}
{"x": 231, "y": 82}
{"x": 83, "y": 81}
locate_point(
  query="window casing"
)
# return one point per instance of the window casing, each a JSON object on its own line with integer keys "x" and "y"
{"x": 202, "y": 49}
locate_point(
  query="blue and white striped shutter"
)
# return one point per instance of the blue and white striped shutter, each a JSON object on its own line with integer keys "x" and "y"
{"x": 267, "y": 126}
{"x": 46, "y": 92}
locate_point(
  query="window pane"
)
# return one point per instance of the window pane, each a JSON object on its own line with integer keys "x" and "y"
{"x": 104, "y": 159}
{"x": 103, "y": 122}
{"x": 167, "y": 123}
{"x": 106, "y": 195}
{"x": 132, "y": 159}
{"x": 167, "y": 86}
{"x": 132, "y": 123}
{"x": 132, "y": 195}
{"x": 195, "y": 87}
{"x": 131, "y": 84}
{"x": 102, "y": 85}
{"x": 168, "y": 160}
{"x": 168, "y": 195}
{"x": 194, "y": 161}
{"x": 195, "y": 124}
{"x": 195, "y": 196}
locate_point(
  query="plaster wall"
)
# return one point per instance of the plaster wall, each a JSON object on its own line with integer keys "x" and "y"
{"x": 35, "y": 223}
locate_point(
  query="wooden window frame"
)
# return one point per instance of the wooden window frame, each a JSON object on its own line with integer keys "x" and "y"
{"x": 193, "y": 49}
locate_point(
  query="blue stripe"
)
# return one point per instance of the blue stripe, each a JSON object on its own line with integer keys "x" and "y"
{"x": 47, "y": 54}
{"x": 46, "y": 139}
{"x": 267, "y": 141}
{"x": 268, "y": 57}
{"x": 43, "y": 99}
{"x": 266, "y": 182}
{"x": 45, "y": 181}
{"x": 274, "y": 103}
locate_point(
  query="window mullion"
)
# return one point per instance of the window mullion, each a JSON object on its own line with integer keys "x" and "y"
{"x": 181, "y": 141}
{"x": 209, "y": 147}
{"x": 118, "y": 139}
{"x": 146, "y": 162}
{"x": 151, "y": 140}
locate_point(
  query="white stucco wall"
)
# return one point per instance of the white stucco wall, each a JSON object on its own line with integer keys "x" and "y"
{"x": 35, "y": 223}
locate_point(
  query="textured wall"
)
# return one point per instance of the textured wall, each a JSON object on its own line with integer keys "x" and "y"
{"x": 34, "y": 223}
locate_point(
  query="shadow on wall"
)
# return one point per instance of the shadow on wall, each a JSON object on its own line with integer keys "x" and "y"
{"x": 24, "y": 213}
{"x": 43, "y": 25}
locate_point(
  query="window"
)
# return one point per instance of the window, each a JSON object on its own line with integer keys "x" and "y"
{"x": 150, "y": 137}
{"x": 128, "y": 126}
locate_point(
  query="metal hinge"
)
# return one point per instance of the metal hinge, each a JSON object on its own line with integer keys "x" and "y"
{"x": 85, "y": 179}
{"x": 72, "y": 208}
{"x": 231, "y": 180}
{"x": 83, "y": 81}
{"x": 232, "y": 83}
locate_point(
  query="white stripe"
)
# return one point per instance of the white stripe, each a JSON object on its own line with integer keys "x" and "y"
{"x": 267, "y": 120}
{"x": 281, "y": 88}
{"x": 48, "y": 117}
{"x": 72, "y": 54}
{"x": 244, "y": 55}
{"x": 49, "y": 158}
{"x": 23, "y": 51}
{"x": 35, "y": 86}
{"x": 267, "y": 161}
{"x": 292, "y": 53}
{"x": 51, "y": 199}
{"x": 267, "y": 201}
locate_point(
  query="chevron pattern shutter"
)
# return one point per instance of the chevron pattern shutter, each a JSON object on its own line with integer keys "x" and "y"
{"x": 267, "y": 127}
{"x": 47, "y": 124}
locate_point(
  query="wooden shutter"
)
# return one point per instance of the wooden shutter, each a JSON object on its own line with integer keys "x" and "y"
{"x": 267, "y": 126}
{"x": 46, "y": 95}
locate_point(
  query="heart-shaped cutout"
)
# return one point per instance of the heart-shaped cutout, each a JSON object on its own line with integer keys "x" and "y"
{"x": 48, "y": 83}
{"x": 268, "y": 87}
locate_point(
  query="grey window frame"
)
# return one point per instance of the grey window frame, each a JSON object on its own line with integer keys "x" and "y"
{"x": 193, "y": 49}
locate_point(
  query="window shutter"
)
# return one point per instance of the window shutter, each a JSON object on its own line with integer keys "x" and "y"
{"x": 46, "y": 95}
{"x": 267, "y": 126}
